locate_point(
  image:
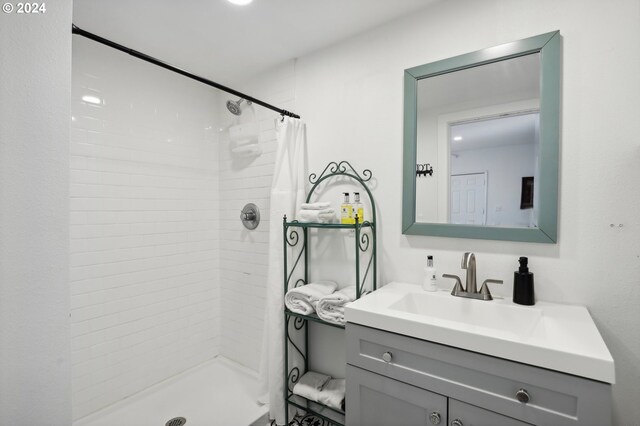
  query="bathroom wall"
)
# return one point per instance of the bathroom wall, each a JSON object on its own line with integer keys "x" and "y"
{"x": 145, "y": 301}
{"x": 350, "y": 95}
{"x": 244, "y": 253}
{"x": 35, "y": 89}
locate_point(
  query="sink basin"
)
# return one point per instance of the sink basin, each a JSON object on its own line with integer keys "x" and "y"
{"x": 512, "y": 321}
{"x": 550, "y": 335}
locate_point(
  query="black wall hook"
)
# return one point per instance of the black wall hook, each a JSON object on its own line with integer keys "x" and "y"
{"x": 424, "y": 170}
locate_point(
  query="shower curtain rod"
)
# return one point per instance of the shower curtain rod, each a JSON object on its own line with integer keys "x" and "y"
{"x": 152, "y": 60}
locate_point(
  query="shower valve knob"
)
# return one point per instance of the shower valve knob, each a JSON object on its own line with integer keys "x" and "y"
{"x": 250, "y": 216}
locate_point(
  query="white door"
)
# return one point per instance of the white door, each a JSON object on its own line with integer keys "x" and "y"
{"x": 468, "y": 199}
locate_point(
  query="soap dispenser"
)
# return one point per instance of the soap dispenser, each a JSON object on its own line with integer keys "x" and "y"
{"x": 429, "y": 283}
{"x": 523, "y": 293}
{"x": 358, "y": 207}
{"x": 346, "y": 211}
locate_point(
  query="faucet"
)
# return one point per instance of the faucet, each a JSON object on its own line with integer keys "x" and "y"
{"x": 471, "y": 289}
{"x": 469, "y": 263}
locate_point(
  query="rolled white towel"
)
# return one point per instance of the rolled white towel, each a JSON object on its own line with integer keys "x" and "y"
{"x": 320, "y": 216}
{"x": 303, "y": 300}
{"x": 331, "y": 307}
{"x": 332, "y": 394}
{"x": 322, "y": 205}
{"x": 310, "y": 384}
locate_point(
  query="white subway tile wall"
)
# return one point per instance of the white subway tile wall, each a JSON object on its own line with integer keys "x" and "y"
{"x": 145, "y": 225}
{"x": 244, "y": 254}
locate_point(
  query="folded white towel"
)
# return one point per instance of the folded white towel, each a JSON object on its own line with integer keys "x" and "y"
{"x": 332, "y": 394}
{"x": 316, "y": 206}
{"x": 310, "y": 384}
{"x": 331, "y": 307}
{"x": 303, "y": 300}
{"x": 320, "y": 216}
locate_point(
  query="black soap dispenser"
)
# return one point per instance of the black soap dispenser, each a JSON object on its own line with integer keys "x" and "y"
{"x": 523, "y": 284}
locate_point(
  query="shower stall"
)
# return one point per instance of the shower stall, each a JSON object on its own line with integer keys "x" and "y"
{"x": 160, "y": 262}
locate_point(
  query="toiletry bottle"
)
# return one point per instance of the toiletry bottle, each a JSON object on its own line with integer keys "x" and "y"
{"x": 358, "y": 208}
{"x": 346, "y": 211}
{"x": 523, "y": 284}
{"x": 429, "y": 282}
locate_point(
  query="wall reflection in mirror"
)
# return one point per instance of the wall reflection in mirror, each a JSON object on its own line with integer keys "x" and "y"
{"x": 480, "y": 130}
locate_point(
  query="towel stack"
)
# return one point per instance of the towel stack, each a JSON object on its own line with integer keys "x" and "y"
{"x": 317, "y": 212}
{"x": 320, "y": 297}
{"x": 321, "y": 388}
{"x": 303, "y": 300}
{"x": 331, "y": 307}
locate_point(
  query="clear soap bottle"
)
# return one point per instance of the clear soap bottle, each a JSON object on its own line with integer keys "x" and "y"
{"x": 346, "y": 211}
{"x": 358, "y": 208}
{"x": 429, "y": 283}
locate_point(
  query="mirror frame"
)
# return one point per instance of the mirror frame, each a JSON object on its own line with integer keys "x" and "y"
{"x": 548, "y": 46}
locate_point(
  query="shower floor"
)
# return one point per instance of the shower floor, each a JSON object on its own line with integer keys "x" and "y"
{"x": 216, "y": 393}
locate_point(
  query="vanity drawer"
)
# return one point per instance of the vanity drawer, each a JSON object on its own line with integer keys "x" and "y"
{"x": 492, "y": 383}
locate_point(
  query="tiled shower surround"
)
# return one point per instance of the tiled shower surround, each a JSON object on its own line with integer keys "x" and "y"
{"x": 145, "y": 290}
{"x": 164, "y": 275}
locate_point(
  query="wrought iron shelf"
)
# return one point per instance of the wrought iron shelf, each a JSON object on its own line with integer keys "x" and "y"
{"x": 329, "y": 225}
{"x": 329, "y": 415}
{"x": 297, "y": 258}
{"x": 312, "y": 317}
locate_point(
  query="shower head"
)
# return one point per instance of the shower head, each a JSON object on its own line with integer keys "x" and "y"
{"x": 234, "y": 106}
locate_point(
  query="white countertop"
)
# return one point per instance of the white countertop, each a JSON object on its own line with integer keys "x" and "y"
{"x": 550, "y": 335}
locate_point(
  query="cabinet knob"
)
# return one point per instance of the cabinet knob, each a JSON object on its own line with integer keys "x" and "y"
{"x": 386, "y": 357}
{"x": 523, "y": 396}
{"x": 457, "y": 422}
{"x": 435, "y": 418}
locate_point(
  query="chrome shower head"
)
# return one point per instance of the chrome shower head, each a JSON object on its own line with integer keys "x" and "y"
{"x": 234, "y": 106}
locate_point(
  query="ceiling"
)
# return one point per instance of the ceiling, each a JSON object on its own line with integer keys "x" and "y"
{"x": 498, "y": 82}
{"x": 225, "y": 42}
{"x": 502, "y": 131}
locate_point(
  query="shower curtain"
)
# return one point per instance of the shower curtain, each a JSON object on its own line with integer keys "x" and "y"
{"x": 288, "y": 191}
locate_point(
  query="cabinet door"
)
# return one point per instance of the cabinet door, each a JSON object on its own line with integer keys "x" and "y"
{"x": 461, "y": 414}
{"x": 375, "y": 400}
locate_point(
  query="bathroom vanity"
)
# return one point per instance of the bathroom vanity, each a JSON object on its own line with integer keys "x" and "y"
{"x": 418, "y": 358}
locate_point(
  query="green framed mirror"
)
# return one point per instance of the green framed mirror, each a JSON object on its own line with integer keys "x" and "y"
{"x": 481, "y": 143}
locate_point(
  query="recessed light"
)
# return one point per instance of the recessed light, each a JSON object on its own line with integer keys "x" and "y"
{"x": 240, "y": 2}
{"x": 92, "y": 99}
{"x": 457, "y": 138}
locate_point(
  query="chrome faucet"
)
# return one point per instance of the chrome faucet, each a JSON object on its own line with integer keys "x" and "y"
{"x": 471, "y": 288}
{"x": 469, "y": 263}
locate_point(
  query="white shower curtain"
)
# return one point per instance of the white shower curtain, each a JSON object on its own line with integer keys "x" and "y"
{"x": 288, "y": 191}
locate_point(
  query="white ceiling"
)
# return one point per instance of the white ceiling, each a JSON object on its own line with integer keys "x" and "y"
{"x": 225, "y": 42}
{"x": 490, "y": 84}
{"x": 502, "y": 131}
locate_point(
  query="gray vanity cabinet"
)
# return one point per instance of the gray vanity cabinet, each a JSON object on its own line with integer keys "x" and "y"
{"x": 470, "y": 415}
{"x": 396, "y": 380}
{"x": 380, "y": 399}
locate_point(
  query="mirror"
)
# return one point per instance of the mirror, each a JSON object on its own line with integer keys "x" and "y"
{"x": 481, "y": 134}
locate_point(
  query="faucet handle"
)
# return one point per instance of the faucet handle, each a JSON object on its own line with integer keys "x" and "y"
{"x": 457, "y": 289}
{"x": 484, "y": 290}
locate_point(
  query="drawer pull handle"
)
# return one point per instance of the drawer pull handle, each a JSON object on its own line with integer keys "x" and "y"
{"x": 523, "y": 396}
{"x": 435, "y": 418}
{"x": 387, "y": 356}
{"x": 457, "y": 422}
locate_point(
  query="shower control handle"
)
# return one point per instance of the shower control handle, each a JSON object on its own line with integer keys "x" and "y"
{"x": 250, "y": 216}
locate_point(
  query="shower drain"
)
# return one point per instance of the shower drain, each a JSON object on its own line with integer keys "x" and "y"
{"x": 176, "y": 421}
